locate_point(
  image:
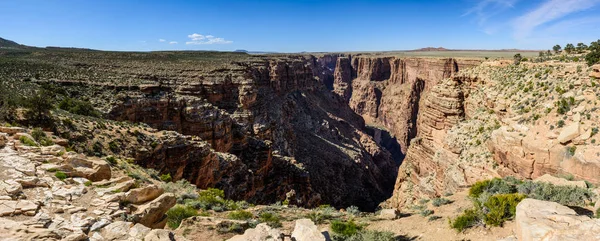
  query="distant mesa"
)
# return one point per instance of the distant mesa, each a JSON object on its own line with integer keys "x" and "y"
{"x": 432, "y": 49}
{"x": 241, "y": 50}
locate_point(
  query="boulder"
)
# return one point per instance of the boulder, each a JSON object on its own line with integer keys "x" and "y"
{"x": 138, "y": 231}
{"x": 115, "y": 231}
{"x": 159, "y": 235}
{"x": 94, "y": 169}
{"x": 538, "y": 220}
{"x": 569, "y": 133}
{"x": 306, "y": 230}
{"x": 152, "y": 214}
{"x": 3, "y": 140}
{"x": 595, "y": 73}
{"x": 560, "y": 181}
{"x": 144, "y": 194}
{"x": 389, "y": 214}
{"x": 262, "y": 232}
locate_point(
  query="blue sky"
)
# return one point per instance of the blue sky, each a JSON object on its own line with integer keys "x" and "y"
{"x": 294, "y": 26}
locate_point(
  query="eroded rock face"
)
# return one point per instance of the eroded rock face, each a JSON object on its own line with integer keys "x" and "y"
{"x": 283, "y": 129}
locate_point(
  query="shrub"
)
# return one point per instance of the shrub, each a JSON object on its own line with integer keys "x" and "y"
{"x": 426, "y": 212}
{"x": 166, "y": 177}
{"x": 178, "y": 213}
{"x": 353, "y": 210}
{"x": 468, "y": 219}
{"x": 316, "y": 217}
{"x": 184, "y": 190}
{"x": 87, "y": 183}
{"x": 39, "y": 106}
{"x": 433, "y": 218}
{"x": 40, "y": 136}
{"x": 345, "y": 229}
{"x": 494, "y": 186}
{"x": 501, "y": 207}
{"x": 565, "y": 195}
{"x": 27, "y": 141}
{"x": 572, "y": 150}
{"x": 240, "y": 215}
{"x": 270, "y": 218}
{"x": 440, "y": 201}
{"x": 78, "y": 107}
{"x": 111, "y": 160}
{"x": 60, "y": 175}
{"x": 371, "y": 235}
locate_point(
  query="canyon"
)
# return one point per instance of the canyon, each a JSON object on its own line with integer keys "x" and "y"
{"x": 299, "y": 132}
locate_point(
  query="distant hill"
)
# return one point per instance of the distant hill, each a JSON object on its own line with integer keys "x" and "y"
{"x": 429, "y": 49}
{"x": 5, "y": 43}
{"x": 432, "y": 49}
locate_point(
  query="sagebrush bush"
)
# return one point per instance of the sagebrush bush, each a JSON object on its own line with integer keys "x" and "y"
{"x": 440, "y": 201}
{"x": 178, "y": 213}
{"x": 353, "y": 210}
{"x": 371, "y": 235}
{"x": 565, "y": 195}
{"x": 183, "y": 189}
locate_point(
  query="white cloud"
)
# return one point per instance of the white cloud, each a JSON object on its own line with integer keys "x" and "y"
{"x": 208, "y": 39}
{"x": 549, "y": 11}
{"x": 173, "y": 42}
{"x": 486, "y": 9}
{"x": 162, "y": 40}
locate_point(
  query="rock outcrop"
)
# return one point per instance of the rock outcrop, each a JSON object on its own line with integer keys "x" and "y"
{"x": 48, "y": 194}
{"x": 541, "y": 220}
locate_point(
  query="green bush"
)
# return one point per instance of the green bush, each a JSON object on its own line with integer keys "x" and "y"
{"x": 240, "y": 215}
{"x": 501, "y": 207}
{"x": 468, "y": 219}
{"x": 345, "y": 229}
{"x": 60, "y": 175}
{"x": 111, "y": 160}
{"x": 166, "y": 177}
{"x": 440, "y": 201}
{"x": 371, "y": 235}
{"x": 178, "y": 213}
{"x": 270, "y": 218}
{"x": 78, "y": 107}
{"x": 40, "y": 136}
{"x": 27, "y": 141}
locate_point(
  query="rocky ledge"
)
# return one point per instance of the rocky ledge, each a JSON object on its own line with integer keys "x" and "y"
{"x": 48, "y": 193}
